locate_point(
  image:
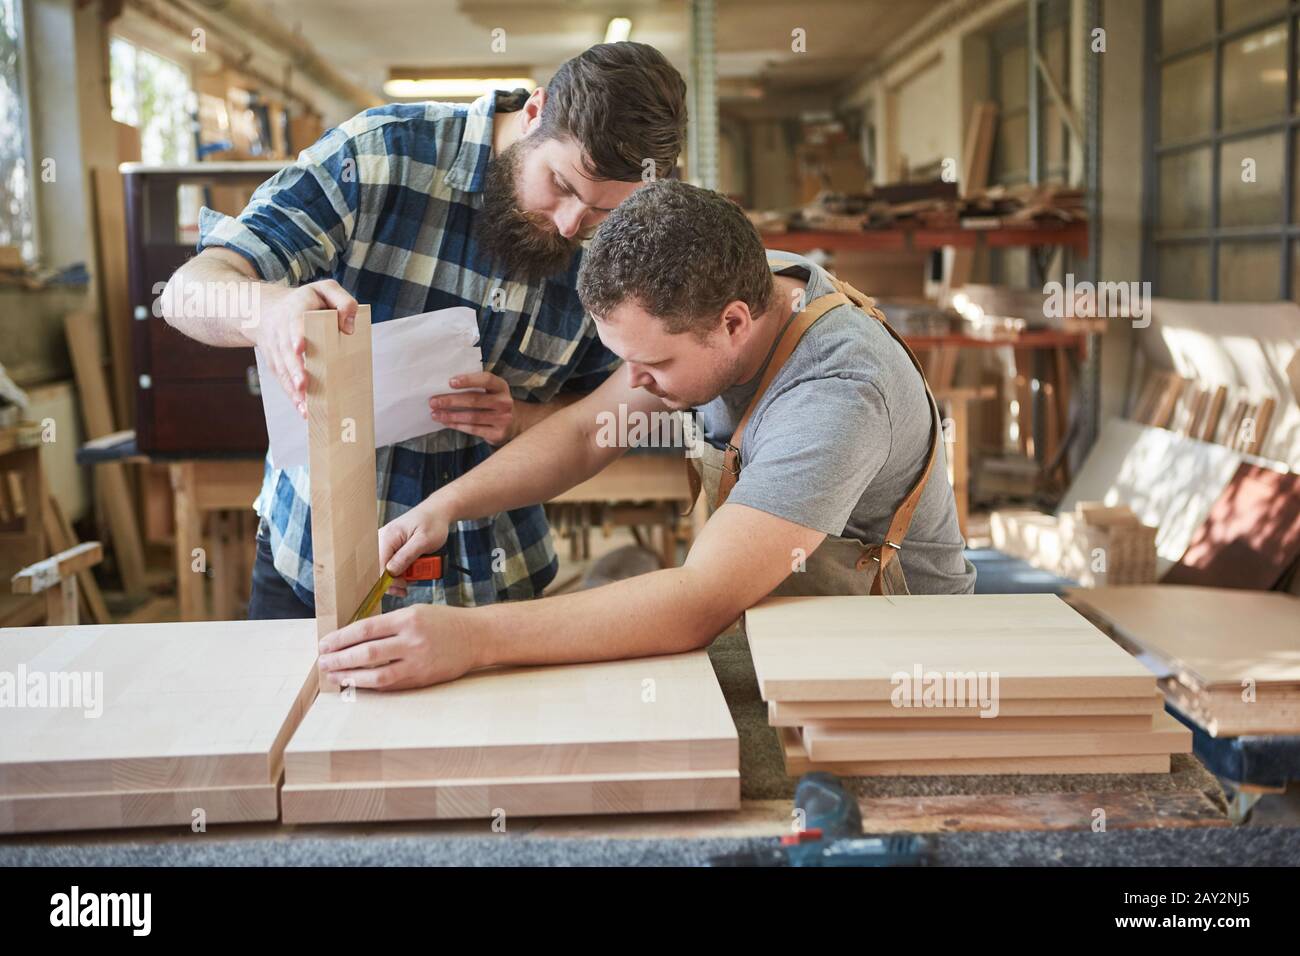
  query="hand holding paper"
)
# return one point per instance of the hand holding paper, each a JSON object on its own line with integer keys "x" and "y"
{"x": 489, "y": 414}
{"x": 413, "y": 357}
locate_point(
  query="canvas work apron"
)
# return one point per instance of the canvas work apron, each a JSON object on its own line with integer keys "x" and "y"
{"x": 716, "y": 471}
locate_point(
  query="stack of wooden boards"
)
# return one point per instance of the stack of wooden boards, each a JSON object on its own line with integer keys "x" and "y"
{"x": 1094, "y": 544}
{"x": 1232, "y": 656}
{"x": 1179, "y": 404}
{"x": 1169, "y": 481}
{"x": 134, "y": 725}
{"x": 148, "y": 724}
{"x": 647, "y": 735}
{"x": 896, "y": 686}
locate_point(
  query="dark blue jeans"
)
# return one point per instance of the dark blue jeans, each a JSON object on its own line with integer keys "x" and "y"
{"x": 272, "y": 598}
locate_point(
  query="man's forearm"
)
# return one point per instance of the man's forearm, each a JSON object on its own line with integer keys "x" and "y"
{"x": 534, "y": 467}
{"x": 665, "y": 612}
{"x": 531, "y": 414}
{"x": 211, "y": 301}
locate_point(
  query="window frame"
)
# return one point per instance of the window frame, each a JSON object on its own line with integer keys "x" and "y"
{"x": 22, "y": 13}
{"x": 1001, "y": 41}
{"x": 1287, "y": 232}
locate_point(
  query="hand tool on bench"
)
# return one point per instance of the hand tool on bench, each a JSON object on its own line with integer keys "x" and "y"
{"x": 832, "y": 834}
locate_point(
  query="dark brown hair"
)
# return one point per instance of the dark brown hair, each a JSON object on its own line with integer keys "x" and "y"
{"x": 623, "y": 103}
{"x": 681, "y": 253}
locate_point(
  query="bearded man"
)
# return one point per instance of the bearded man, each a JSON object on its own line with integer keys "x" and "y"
{"x": 416, "y": 207}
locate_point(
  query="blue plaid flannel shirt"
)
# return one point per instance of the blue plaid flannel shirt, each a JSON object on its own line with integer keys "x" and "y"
{"x": 385, "y": 204}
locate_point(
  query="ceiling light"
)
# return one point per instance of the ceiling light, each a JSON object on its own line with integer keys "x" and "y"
{"x": 456, "y": 87}
{"x": 619, "y": 29}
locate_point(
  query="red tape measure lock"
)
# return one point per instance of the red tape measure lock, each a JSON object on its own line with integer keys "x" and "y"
{"x": 427, "y": 568}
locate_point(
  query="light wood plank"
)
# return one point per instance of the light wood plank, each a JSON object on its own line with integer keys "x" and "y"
{"x": 1217, "y": 636}
{"x": 201, "y": 705}
{"x": 1163, "y": 735}
{"x": 341, "y": 437}
{"x": 903, "y": 726}
{"x": 46, "y": 574}
{"x": 507, "y": 798}
{"x": 108, "y": 203}
{"x": 138, "y": 808}
{"x": 797, "y": 763}
{"x": 853, "y": 647}
{"x": 797, "y": 713}
{"x": 59, "y": 533}
{"x": 1227, "y": 715}
{"x": 110, "y": 477}
{"x": 662, "y": 714}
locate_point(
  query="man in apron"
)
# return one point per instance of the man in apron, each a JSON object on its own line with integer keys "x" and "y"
{"x": 822, "y": 460}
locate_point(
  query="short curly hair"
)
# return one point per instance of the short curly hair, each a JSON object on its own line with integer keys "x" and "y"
{"x": 681, "y": 253}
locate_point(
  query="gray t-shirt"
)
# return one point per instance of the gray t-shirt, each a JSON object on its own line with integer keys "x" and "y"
{"x": 839, "y": 438}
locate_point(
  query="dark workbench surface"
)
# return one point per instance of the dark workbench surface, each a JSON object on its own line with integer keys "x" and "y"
{"x": 1218, "y": 847}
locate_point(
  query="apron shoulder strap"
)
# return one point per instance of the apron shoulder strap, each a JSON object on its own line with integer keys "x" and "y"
{"x": 902, "y": 520}
{"x": 789, "y": 341}
{"x": 884, "y": 553}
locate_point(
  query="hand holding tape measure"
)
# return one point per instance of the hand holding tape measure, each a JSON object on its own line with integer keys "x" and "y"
{"x": 426, "y": 568}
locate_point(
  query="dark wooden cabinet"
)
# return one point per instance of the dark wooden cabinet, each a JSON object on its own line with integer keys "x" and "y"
{"x": 191, "y": 398}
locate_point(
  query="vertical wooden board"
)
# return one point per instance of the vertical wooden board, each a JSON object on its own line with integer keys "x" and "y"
{"x": 110, "y": 478}
{"x": 341, "y": 438}
{"x": 1214, "y": 411}
{"x": 109, "y": 204}
{"x": 59, "y": 533}
{"x": 27, "y": 543}
{"x": 1251, "y": 536}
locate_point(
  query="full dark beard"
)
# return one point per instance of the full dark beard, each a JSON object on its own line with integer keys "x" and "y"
{"x": 520, "y": 242}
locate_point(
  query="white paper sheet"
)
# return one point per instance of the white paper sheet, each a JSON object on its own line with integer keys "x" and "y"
{"x": 413, "y": 359}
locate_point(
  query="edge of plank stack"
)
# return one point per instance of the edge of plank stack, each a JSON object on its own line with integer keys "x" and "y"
{"x": 131, "y": 725}
{"x": 646, "y": 735}
{"x": 1229, "y": 679}
{"x": 899, "y": 686}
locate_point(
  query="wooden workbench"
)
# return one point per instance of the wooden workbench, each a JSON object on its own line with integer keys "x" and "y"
{"x": 1187, "y": 798}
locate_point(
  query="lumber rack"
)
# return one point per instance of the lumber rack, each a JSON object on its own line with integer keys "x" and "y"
{"x": 901, "y": 239}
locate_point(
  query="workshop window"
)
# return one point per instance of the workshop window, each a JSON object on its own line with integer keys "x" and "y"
{"x": 1008, "y": 49}
{"x": 17, "y": 223}
{"x": 153, "y": 94}
{"x": 1221, "y": 120}
{"x": 1009, "y": 80}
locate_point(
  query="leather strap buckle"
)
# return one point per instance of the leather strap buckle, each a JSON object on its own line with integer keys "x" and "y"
{"x": 734, "y": 469}
{"x": 880, "y": 550}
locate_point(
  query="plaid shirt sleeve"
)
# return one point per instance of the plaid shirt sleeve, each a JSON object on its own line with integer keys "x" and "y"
{"x": 594, "y": 365}
{"x": 299, "y": 222}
